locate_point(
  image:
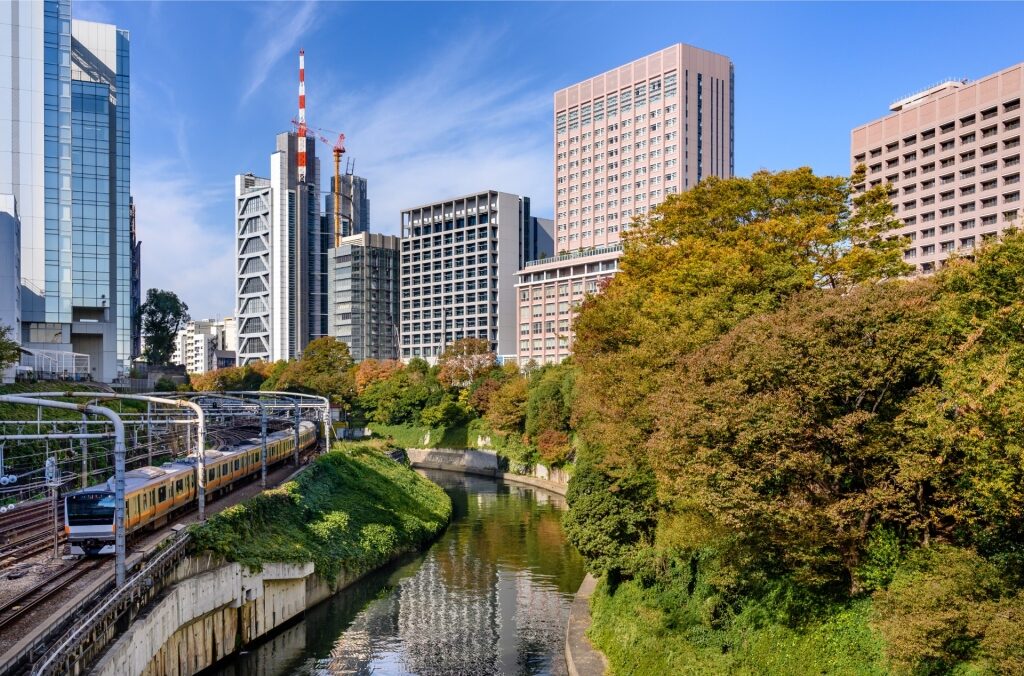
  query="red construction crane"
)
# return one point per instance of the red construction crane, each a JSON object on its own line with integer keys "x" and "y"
{"x": 338, "y": 147}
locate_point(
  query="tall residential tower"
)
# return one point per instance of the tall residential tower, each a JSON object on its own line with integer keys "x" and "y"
{"x": 623, "y": 141}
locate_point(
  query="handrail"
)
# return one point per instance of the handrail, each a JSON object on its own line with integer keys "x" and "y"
{"x": 141, "y": 579}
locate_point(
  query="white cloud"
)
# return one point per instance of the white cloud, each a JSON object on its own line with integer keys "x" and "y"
{"x": 92, "y": 10}
{"x": 447, "y": 129}
{"x": 185, "y": 247}
{"x": 275, "y": 34}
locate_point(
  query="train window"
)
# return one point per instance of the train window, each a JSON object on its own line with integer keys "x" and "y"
{"x": 145, "y": 502}
{"x": 236, "y": 465}
{"x": 162, "y": 494}
{"x": 209, "y": 474}
{"x": 179, "y": 485}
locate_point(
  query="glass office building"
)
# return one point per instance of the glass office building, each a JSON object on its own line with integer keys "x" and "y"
{"x": 64, "y": 155}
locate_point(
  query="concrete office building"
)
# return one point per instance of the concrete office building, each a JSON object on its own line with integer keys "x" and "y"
{"x": 363, "y": 290}
{"x": 623, "y": 141}
{"x": 354, "y": 209}
{"x": 202, "y": 344}
{"x": 951, "y": 158}
{"x": 64, "y": 148}
{"x": 459, "y": 260}
{"x": 281, "y": 280}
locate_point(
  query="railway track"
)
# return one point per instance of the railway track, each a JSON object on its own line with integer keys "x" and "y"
{"x": 24, "y": 603}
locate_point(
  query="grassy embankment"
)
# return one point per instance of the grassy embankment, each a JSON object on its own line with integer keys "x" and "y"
{"x": 639, "y": 637}
{"x": 353, "y": 510}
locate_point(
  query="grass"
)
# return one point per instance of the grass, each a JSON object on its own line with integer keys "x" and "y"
{"x": 639, "y": 638}
{"x": 353, "y": 510}
{"x": 415, "y": 436}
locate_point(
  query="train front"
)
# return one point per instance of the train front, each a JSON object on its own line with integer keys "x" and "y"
{"x": 89, "y": 521}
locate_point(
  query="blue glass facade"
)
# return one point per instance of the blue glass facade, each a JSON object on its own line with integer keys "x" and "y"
{"x": 101, "y": 241}
{"x": 58, "y": 163}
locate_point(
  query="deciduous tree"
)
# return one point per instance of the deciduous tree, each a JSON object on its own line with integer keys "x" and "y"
{"x": 163, "y": 315}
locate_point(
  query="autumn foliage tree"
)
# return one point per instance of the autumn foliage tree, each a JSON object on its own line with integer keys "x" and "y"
{"x": 464, "y": 361}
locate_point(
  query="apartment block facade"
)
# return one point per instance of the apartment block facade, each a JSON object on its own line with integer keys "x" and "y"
{"x": 459, "y": 261}
{"x": 281, "y": 257}
{"x": 623, "y": 141}
{"x": 203, "y": 344}
{"x": 950, "y": 156}
{"x": 364, "y": 288}
{"x": 64, "y": 154}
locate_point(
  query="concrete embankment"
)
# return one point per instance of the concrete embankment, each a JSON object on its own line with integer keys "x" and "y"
{"x": 213, "y": 610}
{"x": 581, "y": 658}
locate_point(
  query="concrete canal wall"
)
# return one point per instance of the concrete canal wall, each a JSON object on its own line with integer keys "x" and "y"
{"x": 213, "y": 610}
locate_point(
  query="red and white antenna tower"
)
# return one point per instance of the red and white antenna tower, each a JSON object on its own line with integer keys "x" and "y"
{"x": 302, "y": 116}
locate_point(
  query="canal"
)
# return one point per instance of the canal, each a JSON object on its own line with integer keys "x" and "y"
{"x": 490, "y": 596}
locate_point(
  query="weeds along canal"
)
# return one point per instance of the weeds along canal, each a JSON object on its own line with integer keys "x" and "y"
{"x": 490, "y": 596}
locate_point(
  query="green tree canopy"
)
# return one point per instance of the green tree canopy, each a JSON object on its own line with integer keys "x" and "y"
{"x": 324, "y": 369}
{"x": 163, "y": 315}
{"x": 10, "y": 350}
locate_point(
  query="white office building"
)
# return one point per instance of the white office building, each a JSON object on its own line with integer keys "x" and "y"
{"x": 459, "y": 262}
{"x": 281, "y": 258}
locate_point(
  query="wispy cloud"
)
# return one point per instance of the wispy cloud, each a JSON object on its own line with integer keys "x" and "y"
{"x": 275, "y": 34}
{"x": 185, "y": 246}
{"x": 93, "y": 10}
{"x": 446, "y": 129}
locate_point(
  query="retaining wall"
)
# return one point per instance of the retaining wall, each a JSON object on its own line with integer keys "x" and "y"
{"x": 484, "y": 462}
{"x": 213, "y": 610}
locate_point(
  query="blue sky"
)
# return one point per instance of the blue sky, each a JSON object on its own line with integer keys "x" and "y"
{"x": 439, "y": 99}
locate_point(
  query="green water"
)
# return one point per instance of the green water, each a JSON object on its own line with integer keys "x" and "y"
{"x": 490, "y": 596}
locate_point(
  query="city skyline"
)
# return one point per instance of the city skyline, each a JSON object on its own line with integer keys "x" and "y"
{"x": 202, "y": 113}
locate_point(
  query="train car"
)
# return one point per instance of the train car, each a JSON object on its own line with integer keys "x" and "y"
{"x": 153, "y": 495}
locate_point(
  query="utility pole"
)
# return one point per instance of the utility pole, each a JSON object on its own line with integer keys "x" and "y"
{"x": 297, "y": 421}
{"x": 53, "y": 482}
{"x": 263, "y": 446}
{"x": 85, "y": 454}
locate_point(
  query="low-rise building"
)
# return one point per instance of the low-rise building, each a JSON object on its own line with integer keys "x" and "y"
{"x": 204, "y": 345}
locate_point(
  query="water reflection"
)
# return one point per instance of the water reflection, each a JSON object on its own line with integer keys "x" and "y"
{"x": 491, "y": 596}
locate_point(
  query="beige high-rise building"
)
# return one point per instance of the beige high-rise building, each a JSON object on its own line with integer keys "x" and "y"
{"x": 951, "y": 157}
{"x": 624, "y": 140}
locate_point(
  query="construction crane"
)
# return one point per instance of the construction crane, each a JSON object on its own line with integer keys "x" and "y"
{"x": 338, "y": 146}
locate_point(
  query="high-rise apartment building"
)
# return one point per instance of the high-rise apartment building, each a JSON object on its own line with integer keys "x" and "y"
{"x": 281, "y": 280}
{"x": 64, "y": 155}
{"x": 354, "y": 209}
{"x": 623, "y": 141}
{"x": 459, "y": 260}
{"x": 364, "y": 290}
{"x": 950, "y": 156}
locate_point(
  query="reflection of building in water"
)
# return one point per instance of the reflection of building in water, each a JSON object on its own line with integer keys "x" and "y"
{"x": 461, "y": 612}
{"x": 540, "y": 617}
{"x": 448, "y": 619}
